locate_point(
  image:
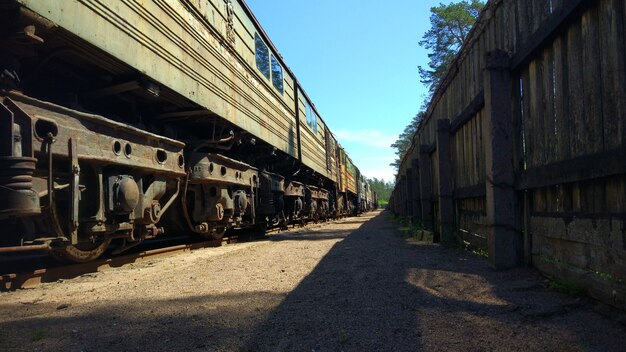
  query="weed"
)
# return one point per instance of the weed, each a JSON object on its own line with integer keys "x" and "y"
{"x": 413, "y": 229}
{"x": 37, "y": 335}
{"x": 545, "y": 259}
{"x": 566, "y": 286}
{"x": 606, "y": 276}
{"x": 343, "y": 336}
{"x": 481, "y": 252}
{"x": 465, "y": 246}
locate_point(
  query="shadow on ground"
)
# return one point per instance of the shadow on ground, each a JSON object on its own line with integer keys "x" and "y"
{"x": 372, "y": 291}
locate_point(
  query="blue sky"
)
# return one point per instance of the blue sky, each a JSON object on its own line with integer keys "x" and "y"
{"x": 357, "y": 60}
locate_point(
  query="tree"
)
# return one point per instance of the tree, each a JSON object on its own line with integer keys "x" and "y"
{"x": 383, "y": 190}
{"x": 403, "y": 143}
{"x": 450, "y": 25}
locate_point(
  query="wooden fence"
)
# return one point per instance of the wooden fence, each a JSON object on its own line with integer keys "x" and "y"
{"x": 523, "y": 151}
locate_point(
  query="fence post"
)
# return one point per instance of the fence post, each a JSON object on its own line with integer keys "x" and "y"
{"x": 446, "y": 204}
{"x": 417, "y": 206}
{"x": 400, "y": 198}
{"x": 500, "y": 192}
{"x": 426, "y": 187}
{"x": 403, "y": 192}
{"x": 409, "y": 192}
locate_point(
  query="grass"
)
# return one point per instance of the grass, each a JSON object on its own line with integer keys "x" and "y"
{"x": 413, "y": 230}
{"x": 566, "y": 286}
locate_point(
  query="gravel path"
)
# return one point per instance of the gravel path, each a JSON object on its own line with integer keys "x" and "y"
{"x": 352, "y": 285}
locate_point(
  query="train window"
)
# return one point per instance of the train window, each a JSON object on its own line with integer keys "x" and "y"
{"x": 311, "y": 117}
{"x": 308, "y": 113}
{"x": 262, "y": 56}
{"x": 277, "y": 74}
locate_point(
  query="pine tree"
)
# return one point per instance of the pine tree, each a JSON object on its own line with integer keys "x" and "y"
{"x": 450, "y": 25}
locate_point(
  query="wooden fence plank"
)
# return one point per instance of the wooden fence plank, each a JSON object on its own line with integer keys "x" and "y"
{"x": 470, "y": 152}
{"x": 536, "y": 113}
{"x": 624, "y": 53}
{"x": 489, "y": 36}
{"x": 557, "y": 7}
{"x": 613, "y": 62}
{"x": 539, "y": 13}
{"x": 478, "y": 150}
{"x": 576, "y": 201}
{"x": 616, "y": 195}
{"x": 550, "y": 29}
{"x": 465, "y": 156}
{"x": 575, "y": 85}
{"x": 561, "y": 101}
{"x": 591, "y": 135}
{"x": 565, "y": 197}
{"x": 524, "y": 16}
{"x": 549, "y": 88}
{"x": 475, "y": 69}
{"x": 527, "y": 127}
{"x": 462, "y": 147}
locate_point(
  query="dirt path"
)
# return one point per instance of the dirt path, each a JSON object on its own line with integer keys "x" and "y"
{"x": 354, "y": 285}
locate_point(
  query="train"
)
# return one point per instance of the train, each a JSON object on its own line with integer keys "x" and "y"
{"x": 124, "y": 120}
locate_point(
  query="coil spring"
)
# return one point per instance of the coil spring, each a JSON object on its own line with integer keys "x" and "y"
{"x": 16, "y": 173}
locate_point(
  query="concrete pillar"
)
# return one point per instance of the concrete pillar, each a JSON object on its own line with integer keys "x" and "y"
{"x": 446, "y": 202}
{"x": 503, "y": 241}
{"x": 426, "y": 187}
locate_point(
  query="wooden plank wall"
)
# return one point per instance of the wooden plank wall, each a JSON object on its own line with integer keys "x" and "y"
{"x": 568, "y": 68}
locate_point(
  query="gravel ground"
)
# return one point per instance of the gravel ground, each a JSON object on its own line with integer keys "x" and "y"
{"x": 352, "y": 285}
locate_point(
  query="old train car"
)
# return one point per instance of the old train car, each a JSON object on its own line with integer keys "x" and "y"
{"x": 124, "y": 120}
{"x": 349, "y": 178}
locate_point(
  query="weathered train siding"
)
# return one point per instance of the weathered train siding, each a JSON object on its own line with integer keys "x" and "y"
{"x": 523, "y": 151}
{"x": 349, "y": 174}
{"x": 312, "y": 143}
{"x": 181, "y": 45}
{"x": 332, "y": 155}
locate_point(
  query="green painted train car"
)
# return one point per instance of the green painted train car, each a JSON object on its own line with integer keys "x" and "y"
{"x": 126, "y": 119}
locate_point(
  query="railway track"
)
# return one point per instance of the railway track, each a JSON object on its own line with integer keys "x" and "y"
{"x": 53, "y": 272}
{"x": 26, "y": 272}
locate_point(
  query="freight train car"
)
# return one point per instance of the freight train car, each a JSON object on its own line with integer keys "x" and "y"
{"x": 366, "y": 195}
{"x": 124, "y": 120}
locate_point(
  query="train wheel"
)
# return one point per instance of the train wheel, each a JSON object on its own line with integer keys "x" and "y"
{"x": 82, "y": 252}
{"x": 217, "y": 233}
